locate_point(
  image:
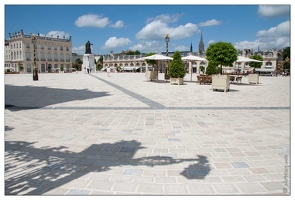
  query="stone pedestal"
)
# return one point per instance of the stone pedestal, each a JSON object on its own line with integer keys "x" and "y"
{"x": 88, "y": 62}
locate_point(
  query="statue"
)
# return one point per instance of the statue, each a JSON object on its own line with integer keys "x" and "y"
{"x": 88, "y": 49}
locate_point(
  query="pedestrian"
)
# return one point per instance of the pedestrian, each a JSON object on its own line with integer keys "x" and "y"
{"x": 88, "y": 70}
{"x": 109, "y": 71}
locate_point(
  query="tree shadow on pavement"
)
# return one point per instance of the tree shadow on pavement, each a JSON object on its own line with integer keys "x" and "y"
{"x": 35, "y": 171}
{"x": 30, "y": 97}
{"x": 199, "y": 170}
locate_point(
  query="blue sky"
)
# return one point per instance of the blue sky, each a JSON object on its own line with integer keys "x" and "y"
{"x": 117, "y": 27}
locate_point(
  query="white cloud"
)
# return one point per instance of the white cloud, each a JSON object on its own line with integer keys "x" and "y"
{"x": 211, "y": 42}
{"x": 92, "y": 20}
{"x": 275, "y": 37}
{"x": 156, "y": 30}
{"x": 118, "y": 24}
{"x": 165, "y": 18}
{"x": 113, "y": 43}
{"x": 181, "y": 48}
{"x": 273, "y": 10}
{"x": 54, "y": 34}
{"x": 148, "y": 46}
{"x": 79, "y": 50}
{"x": 211, "y": 22}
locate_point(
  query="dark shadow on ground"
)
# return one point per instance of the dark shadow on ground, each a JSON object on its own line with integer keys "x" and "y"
{"x": 199, "y": 170}
{"x": 34, "y": 171}
{"x": 246, "y": 84}
{"x": 230, "y": 90}
{"x": 30, "y": 97}
{"x": 8, "y": 128}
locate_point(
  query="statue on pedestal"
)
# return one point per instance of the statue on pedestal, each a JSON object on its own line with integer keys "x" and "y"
{"x": 88, "y": 49}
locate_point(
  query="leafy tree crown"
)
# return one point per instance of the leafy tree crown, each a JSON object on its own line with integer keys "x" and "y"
{"x": 176, "y": 69}
{"x": 221, "y": 53}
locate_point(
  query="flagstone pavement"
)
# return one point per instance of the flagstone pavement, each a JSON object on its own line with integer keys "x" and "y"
{"x": 90, "y": 134}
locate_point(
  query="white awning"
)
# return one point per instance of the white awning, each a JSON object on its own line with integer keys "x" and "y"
{"x": 130, "y": 68}
{"x": 265, "y": 70}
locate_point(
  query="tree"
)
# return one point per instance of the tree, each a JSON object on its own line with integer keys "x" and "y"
{"x": 78, "y": 64}
{"x": 286, "y": 56}
{"x": 176, "y": 69}
{"x": 133, "y": 52}
{"x": 256, "y": 64}
{"x": 79, "y": 61}
{"x": 286, "y": 53}
{"x": 221, "y": 53}
{"x": 212, "y": 69}
{"x": 99, "y": 63}
{"x": 202, "y": 68}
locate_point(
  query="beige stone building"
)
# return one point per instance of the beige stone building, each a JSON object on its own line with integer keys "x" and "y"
{"x": 52, "y": 54}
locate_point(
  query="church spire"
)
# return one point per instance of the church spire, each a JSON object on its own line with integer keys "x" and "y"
{"x": 201, "y": 45}
{"x": 191, "y": 49}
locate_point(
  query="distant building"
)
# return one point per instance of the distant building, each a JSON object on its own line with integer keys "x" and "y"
{"x": 51, "y": 53}
{"x": 201, "y": 45}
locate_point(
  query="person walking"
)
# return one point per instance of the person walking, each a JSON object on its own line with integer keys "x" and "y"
{"x": 109, "y": 71}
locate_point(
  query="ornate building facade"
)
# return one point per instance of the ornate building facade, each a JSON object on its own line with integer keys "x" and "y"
{"x": 51, "y": 53}
{"x": 271, "y": 58}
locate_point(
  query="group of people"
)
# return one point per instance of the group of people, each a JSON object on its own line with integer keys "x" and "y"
{"x": 88, "y": 70}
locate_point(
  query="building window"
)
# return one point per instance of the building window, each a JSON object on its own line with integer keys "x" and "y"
{"x": 29, "y": 68}
{"x": 68, "y": 58}
{"x": 49, "y": 57}
{"x": 42, "y": 46}
{"x": 67, "y": 48}
{"x": 61, "y": 48}
{"x": 28, "y": 56}
{"x": 61, "y": 57}
{"x": 55, "y": 47}
{"x": 42, "y": 56}
{"x": 55, "y": 57}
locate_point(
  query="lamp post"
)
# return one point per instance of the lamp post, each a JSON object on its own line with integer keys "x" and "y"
{"x": 35, "y": 70}
{"x": 167, "y": 39}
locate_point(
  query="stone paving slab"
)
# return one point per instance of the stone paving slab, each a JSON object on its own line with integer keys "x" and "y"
{"x": 80, "y": 134}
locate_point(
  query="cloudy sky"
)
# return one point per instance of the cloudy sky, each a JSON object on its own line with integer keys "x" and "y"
{"x": 121, "y": 27}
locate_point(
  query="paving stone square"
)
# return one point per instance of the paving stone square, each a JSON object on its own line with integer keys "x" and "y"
{"x": 89, "y": 134}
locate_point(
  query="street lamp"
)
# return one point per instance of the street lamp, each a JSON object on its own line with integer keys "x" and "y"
{"x": 167, "y": 39}
{"x": 35, "y": 70}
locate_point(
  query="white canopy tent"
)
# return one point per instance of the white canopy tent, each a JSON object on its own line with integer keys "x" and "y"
{"x": 157, "y": 58}
{"x": 192, "y": 58}
{"x": 246, "y": 59}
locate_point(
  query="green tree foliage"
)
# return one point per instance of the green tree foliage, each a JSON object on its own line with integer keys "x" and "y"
{"x": 286, "y": 54}
{"x": 99, "y": 63}
{"x": 202, "y": 68}
{"x": 78, "y": 64}
{"x": 256, "y": 64}
{"x": 212, "y": 69}
{"x": 133, "y": 52}
{"x": 221, "y": 53}
{"x": 176, "y": 69}
{"x": 79, "y": 61}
